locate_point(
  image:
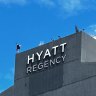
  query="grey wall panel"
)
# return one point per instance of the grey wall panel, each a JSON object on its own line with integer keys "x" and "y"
{"x": 75, "y": 71}
{"x": 88, "y": 49}
{"x": 20, "y": 66}
{"x": 8, "y": 92}
{"x": 47, "y": 80}
{"x": 83, "y": 88}
{"x": 22, "y": 87}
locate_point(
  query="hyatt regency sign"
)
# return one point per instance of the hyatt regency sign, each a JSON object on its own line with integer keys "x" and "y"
{"x": 46, "y": 58}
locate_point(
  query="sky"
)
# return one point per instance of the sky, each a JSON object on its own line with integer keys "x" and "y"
{"x": 32, "y": 22}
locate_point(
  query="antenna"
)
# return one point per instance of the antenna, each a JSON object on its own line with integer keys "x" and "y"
{"x": 76, "y": 29}
{"x": 83, "y": 29}
{"x": 59, "y": 37}
{"x": 52, "y": 39}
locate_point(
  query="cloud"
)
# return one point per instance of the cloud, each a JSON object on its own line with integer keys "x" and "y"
{"x": 91, "y": 30}
{"x": 94, "y": 37}
{"x": 21, "y": 2}
{"x": 70, "y": 7}
{"x": 45, "y": 2}
{"x": 41, "y": 43}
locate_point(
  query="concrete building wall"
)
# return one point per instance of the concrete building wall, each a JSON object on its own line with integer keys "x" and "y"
{"x": 86, "y": 87}
{"x": 76, "y": 76}
{"x": 88, "y": 48}
{"x": 50, "y": 79}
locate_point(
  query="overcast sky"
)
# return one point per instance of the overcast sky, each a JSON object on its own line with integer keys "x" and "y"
{"x": 30, "y": 22}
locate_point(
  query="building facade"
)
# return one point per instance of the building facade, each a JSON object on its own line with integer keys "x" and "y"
{"x": 64, "y": 67}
